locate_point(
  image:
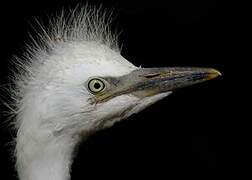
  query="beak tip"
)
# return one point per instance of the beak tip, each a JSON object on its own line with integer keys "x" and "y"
{"x": 213, "y": 73}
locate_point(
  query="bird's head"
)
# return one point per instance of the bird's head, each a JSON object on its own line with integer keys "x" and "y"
{"x": 84, "y": 87}
{"x": 73, "y": 82}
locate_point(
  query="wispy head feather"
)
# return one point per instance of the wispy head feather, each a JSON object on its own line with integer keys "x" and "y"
{"x": 81, "y": 24}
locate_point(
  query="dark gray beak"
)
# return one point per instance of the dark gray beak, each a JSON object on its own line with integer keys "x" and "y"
{"x": 145, "y": 82}
{"x": 151, "y": 81}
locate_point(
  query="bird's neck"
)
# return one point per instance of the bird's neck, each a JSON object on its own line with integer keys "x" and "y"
{"x": 44, "y": 160}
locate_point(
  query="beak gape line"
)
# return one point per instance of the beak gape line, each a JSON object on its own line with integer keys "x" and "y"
{"x": 146, "y": 82}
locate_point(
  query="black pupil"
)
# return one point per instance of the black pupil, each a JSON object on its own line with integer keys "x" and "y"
{"x": 97, "y": 85}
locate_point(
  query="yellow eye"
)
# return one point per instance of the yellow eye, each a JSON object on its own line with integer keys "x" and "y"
{"x": 96, "y": 85}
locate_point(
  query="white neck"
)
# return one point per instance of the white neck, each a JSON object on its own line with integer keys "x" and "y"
{"x": 43, "y": 160}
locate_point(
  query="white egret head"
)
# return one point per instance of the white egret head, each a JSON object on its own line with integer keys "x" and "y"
{"x": 72, "y": 82}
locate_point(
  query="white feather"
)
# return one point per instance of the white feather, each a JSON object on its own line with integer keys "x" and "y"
{"x": 51, "y": 100}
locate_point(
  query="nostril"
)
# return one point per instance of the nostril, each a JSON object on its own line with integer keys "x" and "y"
{"x": 149, "y": 76}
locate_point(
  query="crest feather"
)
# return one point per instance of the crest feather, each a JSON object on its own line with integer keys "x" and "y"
{"x": 81, "y": 24}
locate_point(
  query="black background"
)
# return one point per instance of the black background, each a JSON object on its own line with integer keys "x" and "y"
{"x": 190, "y": 133}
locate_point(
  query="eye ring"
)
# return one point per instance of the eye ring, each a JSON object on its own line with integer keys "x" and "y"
{"x": 96, "y": 85}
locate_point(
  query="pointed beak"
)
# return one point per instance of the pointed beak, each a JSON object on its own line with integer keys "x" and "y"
{"x": 145, "y": 82}
{"x": 151, "y": 81}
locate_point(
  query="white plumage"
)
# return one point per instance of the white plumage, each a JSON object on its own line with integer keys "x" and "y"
{"x": 54, "y": 108}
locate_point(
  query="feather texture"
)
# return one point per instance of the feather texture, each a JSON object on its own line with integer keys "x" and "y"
{"x": 73, "y": 44}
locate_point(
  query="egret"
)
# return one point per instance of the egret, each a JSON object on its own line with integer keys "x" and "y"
{"x": 71, "y": 82}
